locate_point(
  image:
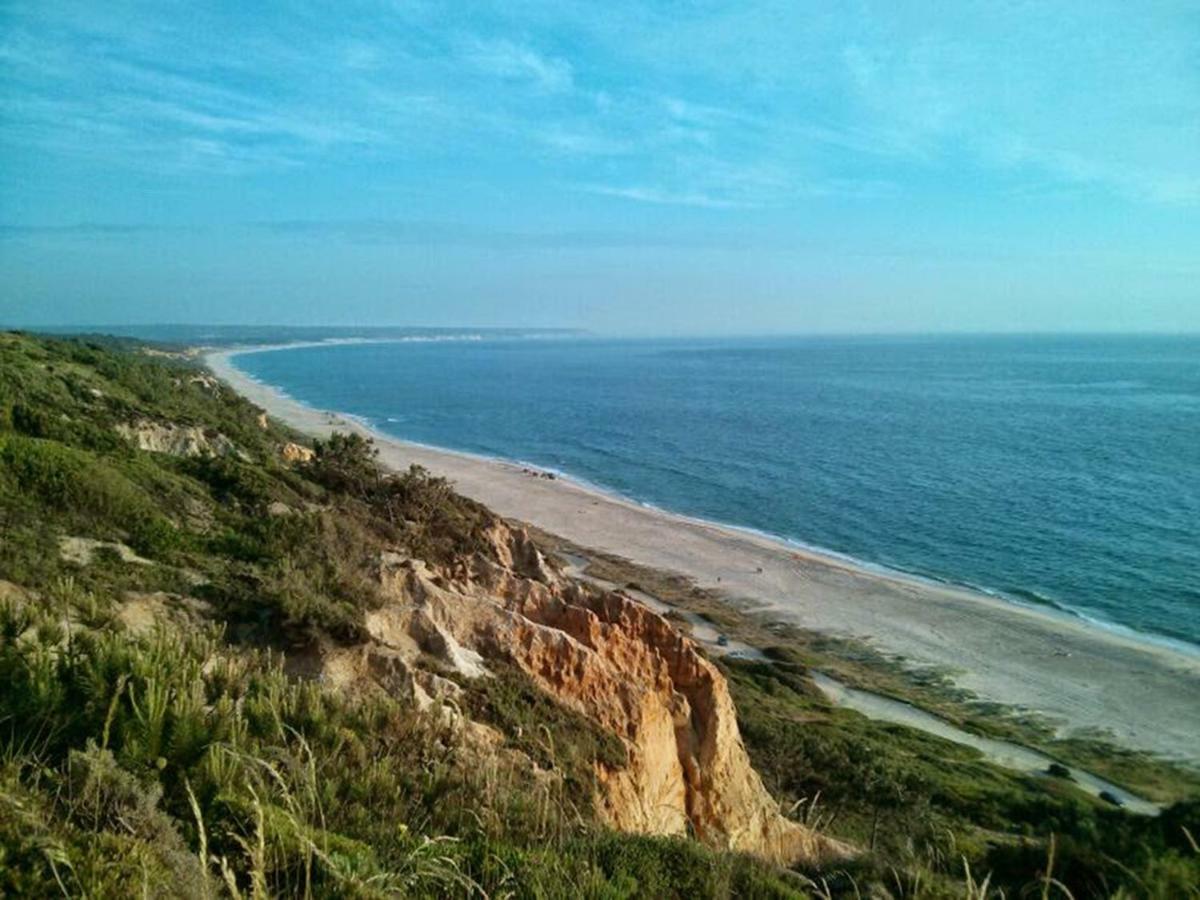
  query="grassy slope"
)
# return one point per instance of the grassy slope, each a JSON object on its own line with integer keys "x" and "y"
{"x": 192, "y": 765}
{"x": 186, "y": 762}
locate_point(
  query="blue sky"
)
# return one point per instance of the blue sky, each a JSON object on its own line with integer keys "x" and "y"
{"x": 663, "y": 167}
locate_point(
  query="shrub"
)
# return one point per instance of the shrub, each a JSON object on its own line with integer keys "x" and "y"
{"x": 69, "y": 479}
{"x": 81, "y": 486}
{"x": 232, "y": 480}
{"x": 544, "y": 729}
{"x": 437, "y": 524}
{"x": 345, "y": 464}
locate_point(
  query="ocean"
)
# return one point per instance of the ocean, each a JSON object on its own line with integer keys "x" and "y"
{"x": 1059, "y": 471}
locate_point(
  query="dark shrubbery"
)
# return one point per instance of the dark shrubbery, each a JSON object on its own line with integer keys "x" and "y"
{"x": 924, "y": 805}
{"x": 345, "y": 464}
{"x": 84, "y": 490}
{"x": 437, "y": 524}
{"x": 430, "y": 518}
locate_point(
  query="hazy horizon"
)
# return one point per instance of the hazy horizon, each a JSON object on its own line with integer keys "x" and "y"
{"x": 638, "y": 169}
{"x": 142, "y": 330}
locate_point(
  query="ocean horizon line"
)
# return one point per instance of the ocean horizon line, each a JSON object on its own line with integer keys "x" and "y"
{"x": 131, "y": 330}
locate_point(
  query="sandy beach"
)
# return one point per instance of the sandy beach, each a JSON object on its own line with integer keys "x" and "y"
{"x": 1145, "y": 696}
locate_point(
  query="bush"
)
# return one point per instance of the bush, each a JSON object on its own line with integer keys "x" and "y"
{"x": 665, "y": 867}
{"x": 545, "y": 730}
{"x": 69, "y": 480}
{"x": 345, "y": 464}
{"x": 79, "y": 485}
{"x": 437, "y": 524}
{"x": 234, "y": 481}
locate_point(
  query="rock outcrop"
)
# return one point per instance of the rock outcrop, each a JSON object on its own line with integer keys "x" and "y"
{"x": 610, "y": 658}
{"x": 80, "y": 550}
{"x": 295, "y": 453}
{"x": 176, "y": 440}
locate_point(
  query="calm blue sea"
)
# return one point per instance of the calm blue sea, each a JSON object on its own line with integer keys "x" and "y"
{"x": 1054, "y": 470}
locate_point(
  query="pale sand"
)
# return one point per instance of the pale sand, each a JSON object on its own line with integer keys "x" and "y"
{"x": 1145, "y": 696}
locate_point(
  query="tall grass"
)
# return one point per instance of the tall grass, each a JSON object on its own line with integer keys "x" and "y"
{"x": 178, "y": 762}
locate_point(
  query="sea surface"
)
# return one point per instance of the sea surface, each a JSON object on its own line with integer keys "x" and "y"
{"x": 1062, "y": 471}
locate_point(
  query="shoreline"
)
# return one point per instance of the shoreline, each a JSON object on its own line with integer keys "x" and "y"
{"x": 1027, "y": 600}
{"x": 1085, "y": 675}
{"x": 1044, "y": 605}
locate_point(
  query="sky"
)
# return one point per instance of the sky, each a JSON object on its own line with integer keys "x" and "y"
{"x": 656, "y": 167}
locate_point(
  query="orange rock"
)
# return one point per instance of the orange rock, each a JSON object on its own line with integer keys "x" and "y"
{"x": 295, "y": 453}
{"x": 620, "y": 664}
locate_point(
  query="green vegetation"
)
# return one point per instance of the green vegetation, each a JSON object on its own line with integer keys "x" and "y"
{"x": 925, "y": 807}
{"x": 152, "y": 740}
{"x": 429, "y": 518}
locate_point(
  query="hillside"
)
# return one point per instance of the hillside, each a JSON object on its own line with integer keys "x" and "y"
{"x": 236, "y": 663}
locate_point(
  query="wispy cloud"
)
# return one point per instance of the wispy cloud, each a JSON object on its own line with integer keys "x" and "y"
{"x": 1068, "y": 170}
{"x": 662, "y": 197}
{"x": 759, "y": 104}
{"x": 584, "y": 143}
{"x": 108, "y": 104}
{"x": 509, "y": 60}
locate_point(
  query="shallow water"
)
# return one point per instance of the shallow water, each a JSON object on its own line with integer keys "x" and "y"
{"x": 1063, "y": 471}
{"x": 876, "y": 706}
{"x": 1003, "y": 753}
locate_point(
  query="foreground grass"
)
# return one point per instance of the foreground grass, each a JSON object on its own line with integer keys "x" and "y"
{"x": 188, "y": 767}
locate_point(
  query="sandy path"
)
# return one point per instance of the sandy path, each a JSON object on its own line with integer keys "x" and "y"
{"x": 1147, "y": 696}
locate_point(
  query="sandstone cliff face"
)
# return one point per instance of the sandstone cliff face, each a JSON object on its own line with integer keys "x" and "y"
{"x": 295, "y": 453}
{"x": 176, "y": 440}
{"x": 613, "y": 660}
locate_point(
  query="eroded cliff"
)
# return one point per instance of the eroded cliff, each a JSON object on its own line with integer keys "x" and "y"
{"x": 609, "y": 658}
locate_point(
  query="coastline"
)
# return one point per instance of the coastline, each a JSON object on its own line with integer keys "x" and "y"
{"x": 1087, "y": 677}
